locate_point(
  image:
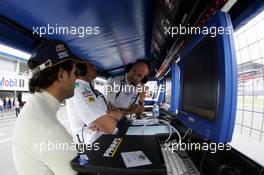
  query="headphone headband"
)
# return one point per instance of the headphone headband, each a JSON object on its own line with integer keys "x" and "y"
{"x": 81, "y": 69}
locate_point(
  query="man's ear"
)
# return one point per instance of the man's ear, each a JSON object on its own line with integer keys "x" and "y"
{"x": 62, "y": 75}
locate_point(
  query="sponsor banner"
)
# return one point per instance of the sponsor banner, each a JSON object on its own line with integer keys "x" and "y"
{"x": 13, "y": 83}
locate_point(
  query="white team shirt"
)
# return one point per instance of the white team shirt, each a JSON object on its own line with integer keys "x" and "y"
{"x": 37, "y": 124}
{"x": 120, "y": 95}
{"x": 83, "y": 109}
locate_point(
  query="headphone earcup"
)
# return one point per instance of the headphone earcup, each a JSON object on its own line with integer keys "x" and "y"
{"x": 81, "y": 69}
{"x": 128, "y": 67}
{"x": 144, "y": 80}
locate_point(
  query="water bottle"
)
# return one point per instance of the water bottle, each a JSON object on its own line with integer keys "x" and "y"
{"x": 155, "y": 110}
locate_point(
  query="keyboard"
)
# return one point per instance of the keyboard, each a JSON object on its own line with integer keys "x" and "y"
{"x": 178, "y": 162}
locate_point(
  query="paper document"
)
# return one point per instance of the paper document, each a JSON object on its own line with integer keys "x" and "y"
{"x": 135, "y": 158}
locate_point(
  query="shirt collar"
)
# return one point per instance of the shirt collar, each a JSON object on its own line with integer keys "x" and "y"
{"x": 88, "y": 84}
{"x": 52, "y": 101}
{"x": 82, "y": 81}
{"x": 85, "y": 83}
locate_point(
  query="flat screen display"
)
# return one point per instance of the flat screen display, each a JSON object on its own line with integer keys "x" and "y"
{"x": 200, "y": 80}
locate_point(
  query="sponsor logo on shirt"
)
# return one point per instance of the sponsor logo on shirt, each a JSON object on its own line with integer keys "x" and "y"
{"x": 87, "y": 93}
{"x": 109, "y": 89}
{"x": 90, "y": 99}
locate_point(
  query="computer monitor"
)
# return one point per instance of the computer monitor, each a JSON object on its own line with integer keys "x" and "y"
{"x": 208, "y": 83}
{"x": 200, "y": 80}
{"x": 168, "y": 84}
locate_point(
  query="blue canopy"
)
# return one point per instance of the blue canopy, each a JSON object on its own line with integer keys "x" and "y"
{"x": 118, "y": 31}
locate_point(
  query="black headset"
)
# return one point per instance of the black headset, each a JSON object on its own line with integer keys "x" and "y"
{"x": 130, "y": 65}
{"x": 81, "y": 69}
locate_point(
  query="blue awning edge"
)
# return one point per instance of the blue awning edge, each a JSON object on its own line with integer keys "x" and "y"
{"x": 253, "y": 10}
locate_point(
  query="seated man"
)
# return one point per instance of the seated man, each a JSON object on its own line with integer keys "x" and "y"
{"x": 121, "y": 95}
{"x": 87, "y": 109}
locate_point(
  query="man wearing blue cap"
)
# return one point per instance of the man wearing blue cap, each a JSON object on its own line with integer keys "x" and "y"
{"x": 41, "y": 144}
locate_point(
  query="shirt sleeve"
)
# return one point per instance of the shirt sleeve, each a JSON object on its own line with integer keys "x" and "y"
{"x": 58, "y": 158}
{"x": 87, "y": 106}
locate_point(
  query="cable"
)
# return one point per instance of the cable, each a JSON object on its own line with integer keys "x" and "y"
{"x": 221, "y": 168}
{"x": 169, "y": 135}
{"x": 165, "y": 122}
{"x": 81, "y": 142}
{"x": 202, "y": 161}
{"x": 171, "y": 127}
{"x": 261, "y": 172}
{"x": 186, "y": 133}
{"x": 82, "y": 133}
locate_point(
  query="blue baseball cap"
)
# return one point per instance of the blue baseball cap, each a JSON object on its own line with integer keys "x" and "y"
{"x": 50, "y": 53}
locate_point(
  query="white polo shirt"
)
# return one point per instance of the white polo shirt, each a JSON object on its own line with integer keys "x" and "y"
{"x": 83, "y": 109}
{"x": 36, "y": 130}
{"x": 120, "y": 95}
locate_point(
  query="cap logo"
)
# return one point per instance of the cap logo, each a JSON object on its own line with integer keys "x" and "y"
{"x": 60, "y": 47}
{"x": 43, "y": 66}
{"x": 63, "y": 54}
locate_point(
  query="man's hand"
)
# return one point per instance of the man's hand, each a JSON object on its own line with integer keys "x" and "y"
{"x": 114, "y": 112}
{"x": 105, "y": 124}
{"x": 132, "y": 109}
{"x": 142, "y": 94}
{"x": 93, "y": 127}
{"x": 111, "y": 107}
{"x": 126, "y": 111}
